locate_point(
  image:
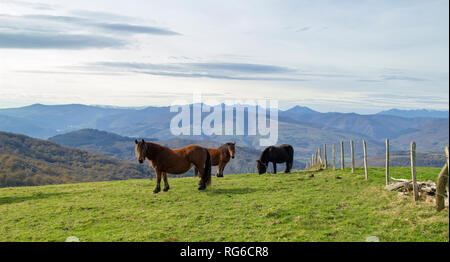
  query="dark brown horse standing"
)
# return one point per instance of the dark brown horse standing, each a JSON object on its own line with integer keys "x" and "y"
{"x": 175, "y": 161}
{"x": 220, "y": 157}
{"x": 276, "y": 154}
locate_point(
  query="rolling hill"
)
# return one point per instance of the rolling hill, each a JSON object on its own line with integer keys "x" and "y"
{"x": 26, "y": 161}
{"x": 100, "y": 142}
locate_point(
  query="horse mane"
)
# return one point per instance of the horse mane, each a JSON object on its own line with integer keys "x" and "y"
{"x": 153, "y": 149}
{"x": 224, "y": 146}
{"x": 263, "y": 157}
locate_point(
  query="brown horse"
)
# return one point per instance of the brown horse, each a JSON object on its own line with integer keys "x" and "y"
{"x": 220, "y": 157}
{"x": 175, "y": 161}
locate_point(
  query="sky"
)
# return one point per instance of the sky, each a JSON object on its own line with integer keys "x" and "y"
{"x": 347, "y": 55}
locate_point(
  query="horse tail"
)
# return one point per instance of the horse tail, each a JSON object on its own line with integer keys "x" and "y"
{"x": 207, "y": 171}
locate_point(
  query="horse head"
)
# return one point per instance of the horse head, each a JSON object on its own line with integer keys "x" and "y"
{"x": 231, "y": 149}
{"x": 141, "y": 150}
{"x": 261, "y": 166}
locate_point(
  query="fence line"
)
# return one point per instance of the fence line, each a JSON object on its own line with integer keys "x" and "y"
{"x": 334, "y": 157}
{"x": 413, "y": 171}
{"x": 317, "y": 162}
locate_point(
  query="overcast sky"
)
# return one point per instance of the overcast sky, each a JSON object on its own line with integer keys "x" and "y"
{"x": 349, "y": 56}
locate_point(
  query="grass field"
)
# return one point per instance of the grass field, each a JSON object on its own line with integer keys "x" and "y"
{"x": 249, "y": 207}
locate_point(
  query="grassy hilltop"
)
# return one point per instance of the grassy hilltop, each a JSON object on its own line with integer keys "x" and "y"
{"x": 249, "y": 207}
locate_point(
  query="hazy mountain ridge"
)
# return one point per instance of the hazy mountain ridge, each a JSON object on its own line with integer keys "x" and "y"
{"x": 416, "y": 113}
{"x": 305, "y": 128}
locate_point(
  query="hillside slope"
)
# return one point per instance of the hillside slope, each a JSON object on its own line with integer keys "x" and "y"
{"x": 287, "y": 207}
{"x": 100, "y": 142}
{"x": 29, "y": 161}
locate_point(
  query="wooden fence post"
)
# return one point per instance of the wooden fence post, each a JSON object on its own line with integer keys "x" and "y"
{"x": 316, "y": 160}
{"x": 413, "y": 171}
{"x": 342, "y": 155}
{"x": 448, "y": 172}
{"x": 334, "y": 157}
{"x": 387, "y": 161}
{"x": 442, "y": 183}
{"x": 353, "y": 155}
{"x": 319, "y": 153}
{"x": 325, "y": 155}
{"x": 366, "y": 173}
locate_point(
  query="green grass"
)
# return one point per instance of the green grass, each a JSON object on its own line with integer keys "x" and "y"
{"x": 249, "y": 207}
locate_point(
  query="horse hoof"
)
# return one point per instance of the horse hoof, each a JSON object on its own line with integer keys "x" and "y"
{"x": 201, "y": 187}
{"x": 166, "y": 189}
{"x": 156, "y": 190}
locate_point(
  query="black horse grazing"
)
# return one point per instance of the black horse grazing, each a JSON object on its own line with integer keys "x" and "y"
{"x": 275, "y": 154}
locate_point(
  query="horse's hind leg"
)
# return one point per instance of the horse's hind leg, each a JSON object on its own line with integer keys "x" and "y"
{"x": 166, "y": 184}
{"x": 288, "y": 167}
{"x": 201, "y": 184}
{"x": 195, "y": 172}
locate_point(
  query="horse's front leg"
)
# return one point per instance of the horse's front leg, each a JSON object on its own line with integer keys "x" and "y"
{"x": 274, "y": 167}
{"x": 221, "y": 170}
{"x": 218, "y": 171}
{"x": 166, "y": 183}
{"x": 158, "y": 182}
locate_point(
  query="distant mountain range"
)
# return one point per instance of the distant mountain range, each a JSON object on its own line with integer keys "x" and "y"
{"x": 302, "y": 127}
{"x": 26, "y": 161}
{"x": 415, "y": 113}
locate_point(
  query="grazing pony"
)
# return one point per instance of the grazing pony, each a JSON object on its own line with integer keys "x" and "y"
{"x": 220, "y": 157}
{"x": 175, "y": 161}
{"x": 275, "y": 154}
